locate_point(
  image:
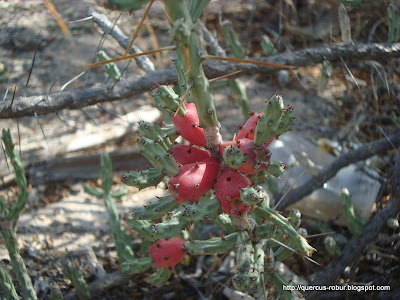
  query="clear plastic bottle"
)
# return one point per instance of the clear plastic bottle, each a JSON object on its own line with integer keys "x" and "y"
{"x": 324, "y": 203}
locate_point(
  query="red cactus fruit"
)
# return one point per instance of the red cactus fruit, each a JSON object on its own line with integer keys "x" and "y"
{"x": 185, "y": 154}
{"x": 248, "y": 129}
{"x": 194, "y": 180}
{"x": 227, "y": 191}
{"x": 167, "y": 253}
{"x": 257, "y": 157}
{"x": 188, "y": 126}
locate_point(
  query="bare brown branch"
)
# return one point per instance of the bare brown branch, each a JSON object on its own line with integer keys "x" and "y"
{"x": 46, "y": 104}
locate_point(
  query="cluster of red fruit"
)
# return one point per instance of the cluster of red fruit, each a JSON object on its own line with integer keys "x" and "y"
{"x": 199, "y": 172}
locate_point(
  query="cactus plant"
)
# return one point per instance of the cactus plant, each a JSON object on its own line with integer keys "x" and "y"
{"x": 353, "y": 222}
{"x": 210, "y": 180}
{"x": 111, "y": 68}
{"x": 7, "y": 285}
{"x": 9, "y": 217}
{"x": 124, "y": 249}
{"x": 74, "y": 273}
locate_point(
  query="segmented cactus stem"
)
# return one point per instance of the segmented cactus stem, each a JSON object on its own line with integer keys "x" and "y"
{"x": 25, "y": 282}
{"x": 74, "y": 273}
{"x": 124, "y": 249}
{"x": 11, "y": 216}
{"x": 7, "y": 285}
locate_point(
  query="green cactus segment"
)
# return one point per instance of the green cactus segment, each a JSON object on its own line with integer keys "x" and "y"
{"x": 156, "y": 210}
{"x": 284, "y": 225}
{"x": 93, "y": 191}
{"x": 295, "y": 220}
{"x": 111, "y": 68}
{"x": 283, "y": 253}
{"x": 203, "y": 210}
{"x": 167, "y": 100}
{"x": 260, "y": 177}
{"x": 339, "y": 238}
{"x": 259, "y": 255}
{"x": 253, "y": 195}
{"x": 137, "y": 265}
{"x": 158, "y": 157}
{"x": 245, "y": 282}
{"x": 250, "y": 280}
{"x": 267, "y": 46}
{"x": 143, "y": 227}
{"x": 122, "y": 244}
{"x": 11, "y": 243}
{"x": 120, "y": 192}
{"x": 154, "y": 132}
{"x": 326, "y": 69}
{"x": 160, "y": 276}
{"x": 170, "y": 228}
{"x": 11, "y": 217}
{"x": 280, "y": 281}
{"x": 121, "y": 239}
{"x": 268, "y": 124}
{"x": 232, "y": 39}
{"x": 285, "y": 122}
{"x": 74, "y": 273}
{"x": 244, "y": 253}
{"x": 196, "y": 8}
{"x": 170, "y": 131}
{"x": 20, "y": 178}
{"x": 332, "y": 247}
{"x": 184, "y": 33}
{"x": 394, "y": 23}
{"x": 240, "y": 96}
{"x": 144, "y": 179}
{"x": 215, "y": 245}
{"x": 7, "y": 285}
{"x": 233, "y": 157}
{"x": 349, "y": 215}
{"x": 124, "y": 5}
{"x": 224, "y": 221}
{"x": 276, "y": 168}
{"x": 237, "y": 87}
{"x": 106, "y": 173}
{"x": 182, "y": 80}
{"x": 3, "y": 208}
{"x": 265, "y": 231}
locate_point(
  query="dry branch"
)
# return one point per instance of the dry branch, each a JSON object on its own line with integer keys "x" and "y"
{"x": 84, "y": 167}
{"x": 358, "y": 244}
{"x": 317, "y": 181}
{"x": 74, "y": 99}
{"x": 109, "y": 28}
